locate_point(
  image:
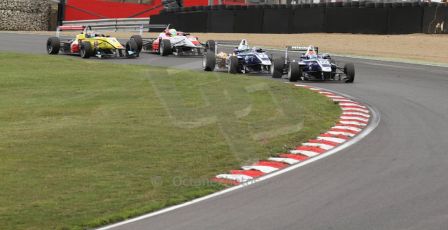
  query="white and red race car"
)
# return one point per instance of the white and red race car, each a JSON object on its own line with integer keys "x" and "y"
{"x": 171, "y": 41}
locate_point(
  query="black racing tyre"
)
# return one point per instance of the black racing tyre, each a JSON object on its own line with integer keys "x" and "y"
{"x": 165, "y": 47}
{"x": 138, "y": 39}
{"x": 349, "y": 70}
{"x": 277, "y": 67}
{"x": 86, "y": 50}
{"x": 131, "y": 45}
{"x": 233, "y": 65}
{"x": 294, "y": 72}
{"x": 210, "y": 45}
{"x": 53, "y": 45}
{"x": 209, "y": 61}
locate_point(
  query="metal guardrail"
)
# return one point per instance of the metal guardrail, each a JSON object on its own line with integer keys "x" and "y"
{"x": 118, "y": 24}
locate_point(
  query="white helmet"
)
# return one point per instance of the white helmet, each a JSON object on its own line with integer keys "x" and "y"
{"x": 172, "y": 32}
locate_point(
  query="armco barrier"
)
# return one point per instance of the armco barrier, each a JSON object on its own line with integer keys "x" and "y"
{"x": 405, "y": 20}
{"x": 353, "y": 17}
{"x": 277, "y": 21}
{"x": 308, "y": 20}
{"x": 220, "y": 21}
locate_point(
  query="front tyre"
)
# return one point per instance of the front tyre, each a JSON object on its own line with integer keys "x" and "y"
{"x": 86, "y": 50}
{"x": 349, "y": 70}
{"x": 233, "y": 65}
{"x": 132, "y": 46}
{"x": 294, "y": 72}
{"x": 277, "y": 67}
{"x": 209, "y": 61}
{"x": 165, "y": 47}
{"x": 53, "y": 45}
{"x": 139, "y": 41}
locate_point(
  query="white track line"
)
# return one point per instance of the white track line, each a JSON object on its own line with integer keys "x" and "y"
{"x": 261, "y": 168}
{"x": 236, "y": 177}
{"x": 289, "y": 161}
{"x": 355, "y": 109}
{"x": 332, "y": 139}
{"x": 352, "y": 123}
{"x": 355, "y": 113}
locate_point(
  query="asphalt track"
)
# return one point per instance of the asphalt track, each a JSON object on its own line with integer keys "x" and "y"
{"x": 395, "y": 178}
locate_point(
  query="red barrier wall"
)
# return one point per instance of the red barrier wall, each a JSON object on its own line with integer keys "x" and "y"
{"x": 99, "y": 9}
{"x": 188, "y": 3}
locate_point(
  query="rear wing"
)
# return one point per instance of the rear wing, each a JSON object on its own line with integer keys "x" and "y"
{"x": 229, "y": 43}
{"x": 237, "y": 43}
{"x": 300, "y": 48}
{"x": 69, "y": 28}
{"x": 226, "y": 44}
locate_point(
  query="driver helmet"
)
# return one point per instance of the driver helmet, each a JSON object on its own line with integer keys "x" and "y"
{"x": 172, "y": 32}
{"x": 91, "y": 34}
{"x": 310, "y": 53}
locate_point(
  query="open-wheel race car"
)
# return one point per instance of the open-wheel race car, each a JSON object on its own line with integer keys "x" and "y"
{"x": 170, "y": 41}
{"x": 309, "y": 65}
{"x": 89, "y": 43}
{"x": 243, "y": 59}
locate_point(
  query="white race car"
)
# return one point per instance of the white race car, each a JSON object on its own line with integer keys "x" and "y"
{"x": 171, "y": 41}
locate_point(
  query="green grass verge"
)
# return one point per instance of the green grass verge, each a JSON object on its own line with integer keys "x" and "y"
{"x": 85, "y": 143}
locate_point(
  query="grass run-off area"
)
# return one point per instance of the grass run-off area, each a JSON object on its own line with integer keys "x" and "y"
{"x": 86, "y": 143}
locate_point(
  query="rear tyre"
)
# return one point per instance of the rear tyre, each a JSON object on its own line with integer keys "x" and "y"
{"x": 86, "y": 50}
{"x": 277, "y": 67}
{"x": 132, "y": 46}
{"x": 233, "y": 64}
{"x": 165, "y": 47}
{"x": 294, "y": 72}
{"x": 139, "y": 41}
{"x": 210, "y": 45}
{"x": 209, "y": 61}
{"x": 53, "y": 45}
{"x": 349, "y": 70}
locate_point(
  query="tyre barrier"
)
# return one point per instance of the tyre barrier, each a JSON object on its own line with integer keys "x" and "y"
{"x": 347, "y": 17}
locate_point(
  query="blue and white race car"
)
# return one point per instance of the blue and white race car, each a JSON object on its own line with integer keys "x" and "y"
{"x": 243, "y": 59}
{"x": 309, "y": 65}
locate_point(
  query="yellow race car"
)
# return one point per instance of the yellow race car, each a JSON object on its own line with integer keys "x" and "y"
{"x": 88, "y": 44}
